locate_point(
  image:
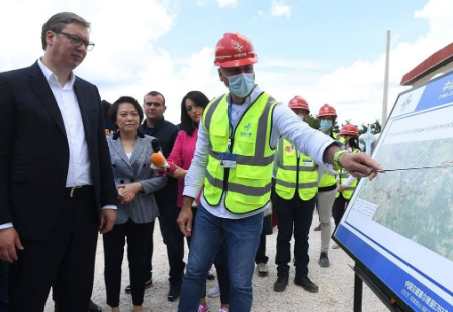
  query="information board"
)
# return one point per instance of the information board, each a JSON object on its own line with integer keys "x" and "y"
{"x": 400, "y": 225}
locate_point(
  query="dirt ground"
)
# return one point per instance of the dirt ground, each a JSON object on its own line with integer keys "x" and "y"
{"x": 336, "y": 283}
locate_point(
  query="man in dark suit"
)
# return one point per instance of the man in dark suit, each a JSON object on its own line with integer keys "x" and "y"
{"x": 55, "y": 172}
{"x": 4, "y": 266}
{"x": 156, "y": 125}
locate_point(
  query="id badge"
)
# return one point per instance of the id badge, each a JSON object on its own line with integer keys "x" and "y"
{"x": 227, "y": 160}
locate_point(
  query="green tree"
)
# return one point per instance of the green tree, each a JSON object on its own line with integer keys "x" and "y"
{"x": 363, "y": 128}
{"x": 375, "y": 127}
{"x": 336, "y": 128}
{"x": 313, "y": 122}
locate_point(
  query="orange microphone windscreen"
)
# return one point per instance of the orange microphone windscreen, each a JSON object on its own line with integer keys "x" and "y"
{"x": 158, "y": 160}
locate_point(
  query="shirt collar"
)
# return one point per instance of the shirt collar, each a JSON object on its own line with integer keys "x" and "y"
{"x": 157, "y": 125}
{"x": 52, "y": 78}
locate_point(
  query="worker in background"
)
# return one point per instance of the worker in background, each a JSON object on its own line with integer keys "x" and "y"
{"x": 327, "y": 187}
{"x": 296, "y": 186}
{"x": 347, "y": 183}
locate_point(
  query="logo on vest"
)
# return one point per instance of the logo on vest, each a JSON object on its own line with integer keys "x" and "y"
{"x": 289, "y": 148}
{"x": 246, "y": 133}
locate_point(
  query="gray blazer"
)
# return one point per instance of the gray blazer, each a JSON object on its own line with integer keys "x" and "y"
{"x": 143, "y": 209}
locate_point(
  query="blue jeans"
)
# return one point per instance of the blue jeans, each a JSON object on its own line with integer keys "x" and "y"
{"x": 4, "y": 266}
{"x": 243, "y": 237}
{"x": 221, "y": 266}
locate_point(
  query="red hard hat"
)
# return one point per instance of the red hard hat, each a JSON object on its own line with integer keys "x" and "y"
{"x": 327, "y": 110}
{"x": 298, "y": 102}
{"x": 349, "y": 130}
{"x": 234, "y": 50}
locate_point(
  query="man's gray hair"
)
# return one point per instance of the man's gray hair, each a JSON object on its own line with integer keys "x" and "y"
{"x": 58, "y": 22}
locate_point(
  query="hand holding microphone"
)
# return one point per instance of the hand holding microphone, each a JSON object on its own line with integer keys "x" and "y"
{"x": 158, "y": 160}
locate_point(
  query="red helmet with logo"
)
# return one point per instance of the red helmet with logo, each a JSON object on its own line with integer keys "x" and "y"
{"x": 298, "y": 102}
{"x": 327, "y": 110}
{"x": 234, "y": 50}
{"x": 349, "y": 130}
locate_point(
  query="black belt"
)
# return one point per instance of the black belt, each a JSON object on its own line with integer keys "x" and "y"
{"x": 78, "y": 191}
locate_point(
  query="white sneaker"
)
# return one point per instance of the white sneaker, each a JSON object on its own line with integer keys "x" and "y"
{"x": 214, "y": 292}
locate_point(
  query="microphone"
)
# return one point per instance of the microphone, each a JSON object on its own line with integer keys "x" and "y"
{"x": 157, "y": 158}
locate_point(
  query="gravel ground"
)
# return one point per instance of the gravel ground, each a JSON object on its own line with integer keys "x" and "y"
{"x": 336, "y": 283}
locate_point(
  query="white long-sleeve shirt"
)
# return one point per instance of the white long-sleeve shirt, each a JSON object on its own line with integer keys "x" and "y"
{"x": 285, "y": 124}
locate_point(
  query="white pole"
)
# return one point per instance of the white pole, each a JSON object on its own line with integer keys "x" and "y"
{"x": 386, "y": 82}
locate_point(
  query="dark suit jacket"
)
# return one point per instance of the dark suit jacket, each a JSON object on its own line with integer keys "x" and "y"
{"x": 34, "y": 151}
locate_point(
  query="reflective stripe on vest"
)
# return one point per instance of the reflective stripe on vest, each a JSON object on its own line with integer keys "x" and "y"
{"x": 344, "y": 175}
{"x": 328, "y": 178}
{"x": 295, "y": 173}
{"x": 248, "y": 185}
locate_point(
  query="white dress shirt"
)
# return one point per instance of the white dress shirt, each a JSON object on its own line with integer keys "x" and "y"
{"x": 79, "y": 171}
{"x": 285, "y": 123}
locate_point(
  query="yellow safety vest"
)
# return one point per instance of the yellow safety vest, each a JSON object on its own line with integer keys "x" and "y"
{"x": 344, "y": 175}
{"x": 248, "y": 186}
{"x": 328, "y": 178}
{"x": 295, "y": 172}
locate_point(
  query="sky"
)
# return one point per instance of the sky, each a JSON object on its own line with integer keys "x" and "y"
{"x": 327, "y": 51}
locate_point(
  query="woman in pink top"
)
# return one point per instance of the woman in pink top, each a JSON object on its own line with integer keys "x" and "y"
{"x": 192, "y": 107}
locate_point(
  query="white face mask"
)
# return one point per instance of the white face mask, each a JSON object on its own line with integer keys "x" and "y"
{"x": 241, "y": 85}
{"x": 301, "y": 117}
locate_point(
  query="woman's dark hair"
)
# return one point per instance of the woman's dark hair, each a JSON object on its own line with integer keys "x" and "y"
{"x": 200, "y": 100}
{"x": 354, "y": 142}
{"x": 113, "y": 111}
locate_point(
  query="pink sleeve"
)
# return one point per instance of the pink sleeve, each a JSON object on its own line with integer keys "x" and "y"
{"x": 176, "y": 153}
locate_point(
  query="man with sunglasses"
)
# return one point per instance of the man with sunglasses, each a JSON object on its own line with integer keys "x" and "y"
{"x": 56, "y": 183}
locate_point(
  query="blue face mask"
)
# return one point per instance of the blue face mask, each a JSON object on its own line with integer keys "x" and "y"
{"x": 326, "y": 125}
{"x": 241, "y": 85}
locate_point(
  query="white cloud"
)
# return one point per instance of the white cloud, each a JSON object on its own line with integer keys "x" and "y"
{"x": 225, "y": 3}
{"x": 293, "y": 64}
{"x": 126, "y": 59}
{"x": 259, "y": 14}
{"x": 279, "y": 8}
{"x": 356, "y": 91}
{"x": 220, "y": 3}
{"x": 201, "y": 3}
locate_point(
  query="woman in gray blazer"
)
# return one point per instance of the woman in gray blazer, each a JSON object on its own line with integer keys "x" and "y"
{"x": 136, "y": 182}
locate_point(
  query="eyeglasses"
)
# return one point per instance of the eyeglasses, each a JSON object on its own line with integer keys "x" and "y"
{"x": 76, "y": 40}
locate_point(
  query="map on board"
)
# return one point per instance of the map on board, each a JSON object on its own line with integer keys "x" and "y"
{"x": 416, "y": 203}
{"x": 400, "y": 225}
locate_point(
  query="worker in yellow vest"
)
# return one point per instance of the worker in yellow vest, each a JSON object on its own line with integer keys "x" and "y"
{"x": 327, "y": 186}
{"x": 346, "y": 182}
{"x": 233, "y": 163}
{"x": 296, "y": 185}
